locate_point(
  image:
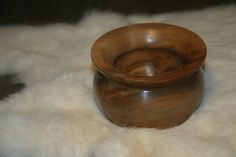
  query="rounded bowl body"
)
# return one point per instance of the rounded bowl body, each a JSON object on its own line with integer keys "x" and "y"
{"x": 160, "y": 107}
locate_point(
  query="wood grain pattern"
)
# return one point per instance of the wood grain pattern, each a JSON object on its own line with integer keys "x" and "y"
{"x": 149, "y": 75}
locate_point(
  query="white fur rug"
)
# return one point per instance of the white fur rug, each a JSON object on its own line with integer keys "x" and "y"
{"x": 56, "y": 116}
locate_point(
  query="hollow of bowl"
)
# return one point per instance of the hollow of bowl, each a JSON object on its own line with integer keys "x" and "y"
{"x": 148, "y": 55}
{"x": 148, "y": 75}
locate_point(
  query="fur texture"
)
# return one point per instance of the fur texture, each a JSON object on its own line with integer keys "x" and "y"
{"x": 56, "y": 116}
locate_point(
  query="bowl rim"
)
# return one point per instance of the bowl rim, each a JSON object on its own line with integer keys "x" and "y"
{"x": 144, "y": 81}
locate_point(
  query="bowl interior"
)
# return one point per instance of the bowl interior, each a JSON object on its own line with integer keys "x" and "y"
{"x": 148, "y": 62}
{"x": 148, "y": 54}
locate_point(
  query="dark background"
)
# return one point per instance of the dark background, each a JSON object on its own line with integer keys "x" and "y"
{"x": 71, "y": 11}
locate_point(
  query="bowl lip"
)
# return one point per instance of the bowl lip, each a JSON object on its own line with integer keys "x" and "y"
{"x": 144, "y": 81}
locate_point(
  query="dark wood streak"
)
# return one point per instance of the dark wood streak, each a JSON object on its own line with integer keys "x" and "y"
{"x": 149, "y": 75}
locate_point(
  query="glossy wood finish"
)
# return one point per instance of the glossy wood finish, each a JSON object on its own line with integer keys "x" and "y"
{"x": 149, "y": 75}
{"x": 161, "y": 107}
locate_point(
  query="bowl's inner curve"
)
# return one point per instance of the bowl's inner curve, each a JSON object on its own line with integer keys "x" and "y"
{"x": 148, "y": 62}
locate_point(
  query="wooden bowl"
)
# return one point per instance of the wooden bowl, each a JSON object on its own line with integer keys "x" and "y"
{"x": 148, "y": 75}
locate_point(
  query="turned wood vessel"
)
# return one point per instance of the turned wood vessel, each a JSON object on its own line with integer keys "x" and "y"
{"x": 148, "y": 75}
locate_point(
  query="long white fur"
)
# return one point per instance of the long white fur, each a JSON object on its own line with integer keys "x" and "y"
{"x": 56, "y": 116}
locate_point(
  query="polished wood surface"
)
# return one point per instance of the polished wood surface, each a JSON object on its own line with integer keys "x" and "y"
{"x": 149, "y": 75}
{"x": 161, "y": 107}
